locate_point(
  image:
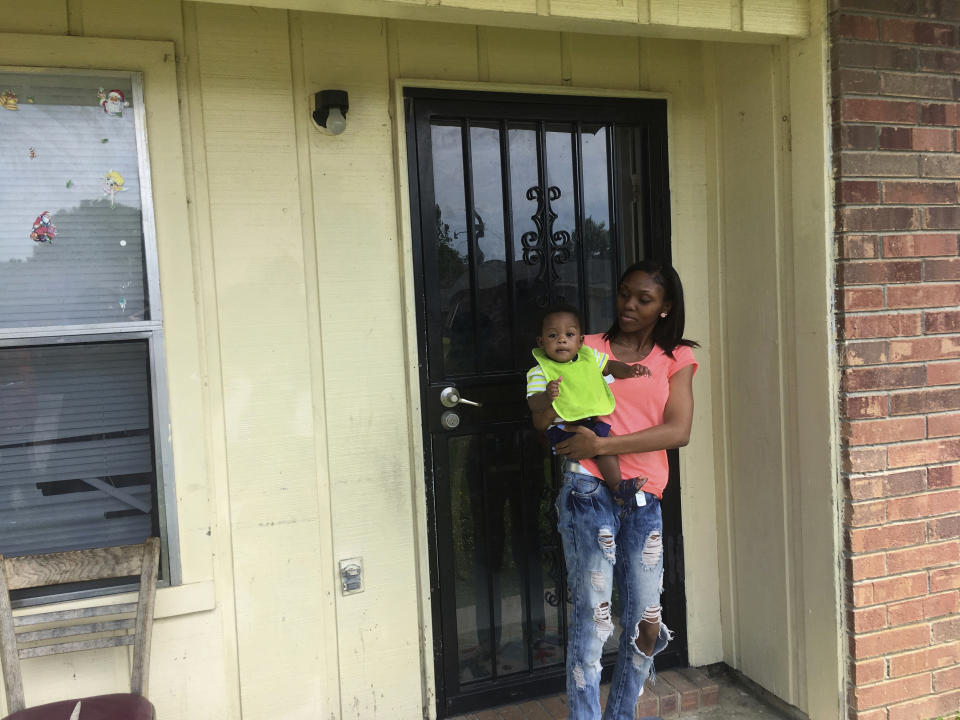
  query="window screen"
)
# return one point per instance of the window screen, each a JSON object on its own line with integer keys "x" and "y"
{"x": 71, "y": 240}
{"x": 80, "y": 329}
{"x": 76, "y": 448}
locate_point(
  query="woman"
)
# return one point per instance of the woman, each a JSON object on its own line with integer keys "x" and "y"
{"x": 609, "y": 538}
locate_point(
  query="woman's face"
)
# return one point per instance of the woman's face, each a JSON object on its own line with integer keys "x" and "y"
{"x": 639, "y": 302}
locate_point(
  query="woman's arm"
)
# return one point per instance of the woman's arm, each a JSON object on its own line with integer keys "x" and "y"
{"x": 672, "y": 433}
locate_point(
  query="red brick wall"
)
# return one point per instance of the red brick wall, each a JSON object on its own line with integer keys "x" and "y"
{"x": 896, "y": 82}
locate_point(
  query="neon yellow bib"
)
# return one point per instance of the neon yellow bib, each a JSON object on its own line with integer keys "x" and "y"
{"x": 583, "y": 393}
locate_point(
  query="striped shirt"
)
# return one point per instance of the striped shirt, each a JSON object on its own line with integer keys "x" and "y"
{"x": 537, "y": 381}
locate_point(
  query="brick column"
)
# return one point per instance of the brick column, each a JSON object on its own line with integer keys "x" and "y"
{"x": 896, "y": 81}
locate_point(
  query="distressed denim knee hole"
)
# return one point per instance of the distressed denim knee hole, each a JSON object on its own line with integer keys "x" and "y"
{"x": 602, "y": 623}
{"x": 598, "y": 580}
{"x": 607, "y": 544}
{"x": 652, "y": 550}
{"x": 652, "y": 614}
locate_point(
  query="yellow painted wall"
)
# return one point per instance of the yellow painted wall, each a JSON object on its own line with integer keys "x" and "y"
{"x": 756, "y": 356}
{"x": 286, "y": 272}
{"x": 771, "y": 268}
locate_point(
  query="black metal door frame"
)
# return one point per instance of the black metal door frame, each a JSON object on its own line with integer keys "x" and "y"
{"x": 419, "y": 106}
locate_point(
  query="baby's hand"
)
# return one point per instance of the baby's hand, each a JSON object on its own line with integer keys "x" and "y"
{"x": 628, "y": 489}
{"x": 623, "y": 371}
{"x": 553, "y": 388}
{"x": 640, "y": 370}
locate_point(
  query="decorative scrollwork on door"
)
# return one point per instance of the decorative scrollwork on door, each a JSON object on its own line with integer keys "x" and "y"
{"x": 532, "y": 240}
{"x": 545, "y": 248}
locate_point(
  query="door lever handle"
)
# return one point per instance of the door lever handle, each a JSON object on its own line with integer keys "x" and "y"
{"x": 450, "y": 397}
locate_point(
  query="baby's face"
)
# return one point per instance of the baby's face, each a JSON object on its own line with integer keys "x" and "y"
{"x": 560, "y": 336}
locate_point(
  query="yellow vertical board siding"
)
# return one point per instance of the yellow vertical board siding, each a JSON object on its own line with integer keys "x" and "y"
{"x": 786, "y": 17}
{"x": 143, "y": 19}
{"x": 245, "y": 80}
{"x": 91, "y": 672}
{"x": 42, "y": 17}
{"x": 610, "y": 62}
{"x": 435, "y": 51}
{"x": 817, "y": 372}
{"x": 625, "y": 10}
{"x": 63, "y": 676}
{"x": 191, "y": 641}
{"x": 757, "y": 493}
{"x": 365, "y": 379}
{"x": 523, "y": 56}
{"x": 676, "y": 67}
{"x": 191, "y": 110}
{"x": 726, "y": 558}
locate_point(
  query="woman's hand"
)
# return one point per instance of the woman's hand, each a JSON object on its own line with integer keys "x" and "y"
{"x": 583, "y": 444}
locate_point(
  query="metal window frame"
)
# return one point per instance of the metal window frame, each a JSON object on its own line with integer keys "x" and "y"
{"x": 149, "y": 330}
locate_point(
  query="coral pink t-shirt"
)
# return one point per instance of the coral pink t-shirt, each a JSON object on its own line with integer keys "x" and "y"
{"x": 640, "y": 404}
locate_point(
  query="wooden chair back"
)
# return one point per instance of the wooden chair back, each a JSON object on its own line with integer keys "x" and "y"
{"x": 102, "y": 626}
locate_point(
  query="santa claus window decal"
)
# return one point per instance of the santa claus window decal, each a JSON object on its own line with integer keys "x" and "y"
{"x": 82, "y": 390}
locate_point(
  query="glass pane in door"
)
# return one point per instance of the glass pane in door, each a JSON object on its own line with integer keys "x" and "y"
{"x": 562, "y": 256}
{"x": 631, "y": 191}
{"x": 471, "y": 590}
{"x": 496, "y": 555}
{"x": 598, "y": 248}
{"x": 546, "y": 576}
{"x": 493, "y": 293}
{"x": 453, "y": 250}
{"x": 530, "y": 289}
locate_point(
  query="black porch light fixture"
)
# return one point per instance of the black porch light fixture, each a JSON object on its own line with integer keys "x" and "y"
{"x": 330, "y": 110}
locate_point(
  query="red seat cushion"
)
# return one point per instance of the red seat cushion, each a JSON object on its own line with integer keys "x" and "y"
{"x": 122, "y": 706}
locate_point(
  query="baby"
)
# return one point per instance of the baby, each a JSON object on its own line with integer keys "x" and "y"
{"x": 562, "y": 358}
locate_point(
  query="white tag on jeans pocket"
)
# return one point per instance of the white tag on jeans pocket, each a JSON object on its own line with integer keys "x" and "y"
{"x": 641, "y": 498}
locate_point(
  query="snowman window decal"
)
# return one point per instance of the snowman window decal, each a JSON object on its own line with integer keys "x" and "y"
{"x": 113, "y": 102}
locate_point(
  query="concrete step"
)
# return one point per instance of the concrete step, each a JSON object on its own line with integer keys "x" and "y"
{"x": 673, "y": 693}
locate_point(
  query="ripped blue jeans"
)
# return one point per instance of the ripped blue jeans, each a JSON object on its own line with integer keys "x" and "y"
{"x": 604, "y": 543}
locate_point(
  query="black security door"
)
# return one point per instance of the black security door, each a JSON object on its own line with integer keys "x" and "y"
{"x": 519, "y": 201}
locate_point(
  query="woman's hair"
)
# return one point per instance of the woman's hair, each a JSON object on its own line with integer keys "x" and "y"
{"x": 668, "y": 332}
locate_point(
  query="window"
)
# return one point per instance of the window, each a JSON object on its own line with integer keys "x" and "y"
{"x": 82, "y": 388}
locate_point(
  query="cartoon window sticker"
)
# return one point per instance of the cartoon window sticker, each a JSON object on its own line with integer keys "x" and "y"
{"x": 32, "y": 153}
{"x": 112, "y": 184}
{"x": 112, "y": 102}
{"x": 8, "y": 100}
{"x": 43, "y": 228}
